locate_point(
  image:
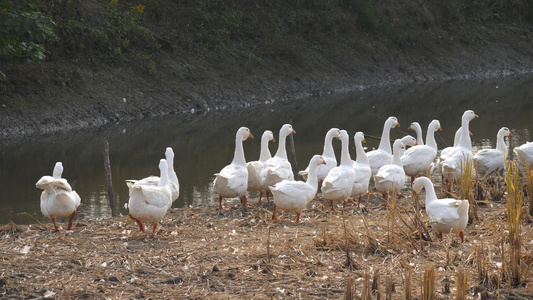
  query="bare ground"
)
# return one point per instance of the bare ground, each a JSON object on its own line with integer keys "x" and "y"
{"x": 239, "y": 253}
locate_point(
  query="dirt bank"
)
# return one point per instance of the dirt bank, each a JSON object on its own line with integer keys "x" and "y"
{"x": 78, "y": 88}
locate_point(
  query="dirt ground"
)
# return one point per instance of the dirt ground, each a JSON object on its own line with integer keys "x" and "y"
{"x": 240, "y": 253}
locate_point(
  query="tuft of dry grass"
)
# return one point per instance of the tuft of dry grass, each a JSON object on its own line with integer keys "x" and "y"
{"x": 428, "y": 286}
{"x": 515, "y": 199}
{"x": 462, "y": 285}
{"x": 466, "y": 191}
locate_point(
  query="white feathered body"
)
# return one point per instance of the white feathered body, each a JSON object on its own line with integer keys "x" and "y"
{"x": 149, "y": 203}
{"x": 338, "y": 184}
{"x": 524, "y": 153}
{"x": 232, "y": 181}
{"x": 292, "y": 195}
{"x": 58, "y": 200}
{"x": 447, "y": 215}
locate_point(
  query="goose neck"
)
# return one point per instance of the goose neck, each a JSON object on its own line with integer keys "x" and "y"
{"x": 384, "y": 143}
{"x": 238, "y": 156}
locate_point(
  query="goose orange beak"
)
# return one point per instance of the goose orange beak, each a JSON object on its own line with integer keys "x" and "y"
{"x": 398, "y": 125}
{"x": 293, "y": 131}
{"x": 251, "y": 135}
{"x": 440, "y": 128}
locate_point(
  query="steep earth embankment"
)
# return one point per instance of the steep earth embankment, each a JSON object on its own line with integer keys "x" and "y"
{"x": 80, "y": 89}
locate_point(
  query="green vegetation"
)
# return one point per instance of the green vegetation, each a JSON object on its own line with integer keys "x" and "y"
{"x": 110, "y": 29}
{"x": 22, "y": 33}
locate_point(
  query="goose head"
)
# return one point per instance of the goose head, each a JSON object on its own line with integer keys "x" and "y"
{"x": 317, "y": 160}
{"x": 169, "y": 154}
{"x": 469, "y": 115}
{"x": 392, "y": 122}
{"x": 504, "y": 131}
{"x": 435, "y": 125}
{"x": 268, "y": 136}
{"x": 58, "y": 170}
{"x": 359, "y": 137}
{"x": 408, "y": 141}
{"x": 333, "y": 133}
{"x": 286, "y": 130}
{"x": 244, "y": 133}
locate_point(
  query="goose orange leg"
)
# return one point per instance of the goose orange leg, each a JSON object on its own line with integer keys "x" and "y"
{"x": 297, "y": 217}
{"x": 70, "y": 220}
{"x": 244, "y": 201}
{"x": 274, "y": 213}
{"x": 55, "y": 225}
{"x": 220, "y": 202}
{"x": 332, "y": 207}
{"x": 461, "y": 234}
{"x": 141, "y": 227}
{"x": 155, "y": 226}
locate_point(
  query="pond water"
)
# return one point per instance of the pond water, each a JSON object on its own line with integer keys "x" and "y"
{"x": 203, "y": 144}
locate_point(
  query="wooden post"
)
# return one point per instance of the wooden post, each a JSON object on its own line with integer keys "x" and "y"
{"x": 293, "y": 150}
{"x": 107, "y": 165}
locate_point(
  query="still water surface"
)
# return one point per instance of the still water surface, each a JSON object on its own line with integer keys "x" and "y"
{"x": 203, "y": 144}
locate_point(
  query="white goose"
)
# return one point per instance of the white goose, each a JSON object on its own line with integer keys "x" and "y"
{"x": 418, "y": 130}
{"x": 154, "y": 180}
{"x": 391, "y": 178}
{"x": 58, "y": 200}
{"x": 294, "y": 195}
{"x": 455, "y": 161}
{"x": 407, "y": 141}
{"x": 232, "y": 180}
{"x": 255, "y": 167}
{"x": 417, "y": 160}
{"x": 524, "y": 154}
{"x": 444, "y": 215}
{"x": 448, "y": 150}
{"x": 382, "y": 155}
{"x": 488, "y": 161}
{"x": 337, "y": 186}
{"x": 150, "y": 203}
{"x": 328, "y": 154}
{"x": 361, "y": 168}
{"x": 278, "y": 168}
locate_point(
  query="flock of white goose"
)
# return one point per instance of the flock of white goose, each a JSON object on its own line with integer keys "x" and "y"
{"x": 151, "y": 197}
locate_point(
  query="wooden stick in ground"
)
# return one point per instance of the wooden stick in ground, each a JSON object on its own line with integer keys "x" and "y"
{"x": 27, "y": 214}
{"x": 109, "y": 180}
{"x": 293, "y": 151}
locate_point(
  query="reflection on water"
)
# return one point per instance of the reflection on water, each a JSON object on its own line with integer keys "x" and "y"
{"x": 205, "y": 143}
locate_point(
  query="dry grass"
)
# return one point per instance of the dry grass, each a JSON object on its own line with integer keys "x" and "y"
{"x": 239, "y": 253}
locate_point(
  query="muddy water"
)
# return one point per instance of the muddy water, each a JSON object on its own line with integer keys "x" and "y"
{"x": 205, "y": 143}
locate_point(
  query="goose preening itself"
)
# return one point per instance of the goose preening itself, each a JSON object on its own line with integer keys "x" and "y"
{"x": 524, "y": 154}
{"x": 232, "y": 180}
{"x": 58, "y": 200}
{"x": 382, "y": 155}
{"x": 328, "y": 154}
{"x": 458, "y": 158}
{"x": 417, "y": 160}
{"x": 415, "y": 126}
{"x": 407, "y": 141}
{"x": 390, "y": 178}
{"x": 338, "y": 184}
{"x": 255, "y": 167}
{"x": 488, "y": 161}
{"x": 149, "y": 203}
{"x": 444, "y": 215}
{"x": 154, "y": 180}
{"x": 294, "y": 195}
{"x": 278, "y": 168}
{"x": 362, "y": 170}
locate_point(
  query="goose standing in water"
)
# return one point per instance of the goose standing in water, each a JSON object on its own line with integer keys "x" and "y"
{"x": 58, "y": 200}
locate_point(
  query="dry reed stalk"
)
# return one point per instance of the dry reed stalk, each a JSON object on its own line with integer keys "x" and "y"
{"x": 349, "y": 289}
{"x": 466, "y": 189}
{"x": 483, "y": 274}
{"x": 428, "y": 287}
{"x": 367, "y": 289}
{"x": 529, "y": 188}
{"x": 391, "y": 216}
{"x": 407, "y": 285}
{"x": 37, "y": 221}
{"x": 389, "y": 288}
{"x": 462, "y": 285}
{"x": 376, "y": 285}
{"x": 515, "y": 199}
